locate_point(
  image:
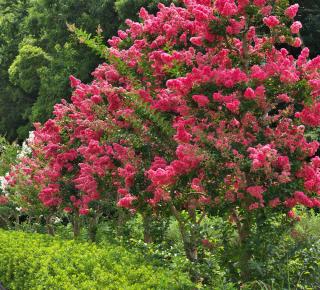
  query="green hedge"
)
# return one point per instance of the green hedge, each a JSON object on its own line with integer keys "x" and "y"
{"x": 34, "y": 261}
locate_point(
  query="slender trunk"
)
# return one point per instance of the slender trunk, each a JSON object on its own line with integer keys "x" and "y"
{"x": 194, "y": 237}
{"x": 76, "y": 226}
{"x": 190, "y": 240}
{"x": 17, "y": 223}
{"x": 246, "y": 254}
{"x": 93, "y": 227}
{"x": 121, "y": 221}
{"x": 147, "y": 235}
{"x": 50, "y": 229}
{"x": 4, "y": 223}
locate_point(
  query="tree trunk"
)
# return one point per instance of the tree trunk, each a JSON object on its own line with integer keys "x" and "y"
{"x": 190, "y": 241}
{"x": 3, "y": 222}
{"x": 147, "y": 235}
{"x": 50, "y": 229}
{"x": 76, "y": 226}
{"x": 246, "y": 254}
{"x": 92, "y": 228}
{"x": 121, "y": 222}
{"x": 17, "y": 221}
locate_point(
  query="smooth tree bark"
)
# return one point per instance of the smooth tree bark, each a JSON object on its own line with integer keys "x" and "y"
{"x": 49, "y": 226}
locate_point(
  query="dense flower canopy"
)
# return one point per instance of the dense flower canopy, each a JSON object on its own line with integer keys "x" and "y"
{"x": 197, "y": 107}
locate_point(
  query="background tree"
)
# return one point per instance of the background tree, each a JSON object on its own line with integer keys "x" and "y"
{"x": 13, "y": 101}
{"x": 309, "y": 15}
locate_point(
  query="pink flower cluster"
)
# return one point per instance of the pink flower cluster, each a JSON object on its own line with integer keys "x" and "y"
{"x": 3, "y": 200}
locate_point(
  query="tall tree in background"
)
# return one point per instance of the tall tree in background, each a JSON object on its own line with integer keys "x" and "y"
{"x": 37, "y": 55}
{"x": 12, "y": 99}
{"x": 309, "y": 15}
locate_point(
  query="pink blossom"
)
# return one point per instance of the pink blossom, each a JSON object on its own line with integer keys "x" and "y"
{"x": 271, "y": 21}
{"x": 274, "y": 202}
{"x": 68, "y": 209}
{"x": 74, "y": 82}
{"x": 50, "y": 195}
{"x": 128, "y": 173}
{"x": 182, "y": 134}
{"x": 201, "y": 100}
{"x": 295, "y": 27}
{"x": 196, "y": 41}
{"x": 292, "y": 11}
{"x": 126, "y": 201}
{"x": 229, "y": 9}
{"x": 233, "y": 106}
{"x": 259, "y": 3}
{"x": 266, "y": 10}
{"x": 253, "y": 206}
{"x": 297, "y": 42}
{"x": 310, "y": 115}
{"x": 226, "y": 7}
{"x": 96, "y": 99}
{"x": 258, "y": 73}
{"x": 303, "y": 199}
{"x": 140, "y": 142}
{"x": 84, "y": 211}
{"x": 162, "y": 176}
{"x": 284, "y": 98}
{"x": 256, "y": 191}
{"x": 291, "y": 214}
{"x": 3, "y": 200}
{"x": 249, "y": 94}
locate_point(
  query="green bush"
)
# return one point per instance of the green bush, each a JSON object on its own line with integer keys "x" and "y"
{"x": 291, "y": 260}
{"x": 34, "y": 261}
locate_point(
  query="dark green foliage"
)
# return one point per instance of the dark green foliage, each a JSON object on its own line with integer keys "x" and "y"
{"x": 47, "y": 23}
{"x": 282, "y": 258}
{"x": 25, "y": 69}
{"x": 13, "y": 101}
{"x": 128, "y": 9}
{"x": 309, "y": 15}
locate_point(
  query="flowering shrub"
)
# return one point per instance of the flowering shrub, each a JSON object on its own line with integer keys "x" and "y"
{"x": 196, "y": 111}
{"x": 8, "y": 157}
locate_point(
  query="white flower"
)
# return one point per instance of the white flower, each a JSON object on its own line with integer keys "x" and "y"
{"x": 3, "y": 184}
{"x": 26, "y": 150}
{"x": 57, "y": 220}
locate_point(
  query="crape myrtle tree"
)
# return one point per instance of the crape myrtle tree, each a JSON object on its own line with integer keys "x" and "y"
{"x": 24, "y": 205}
{"x": 195, "y": 113}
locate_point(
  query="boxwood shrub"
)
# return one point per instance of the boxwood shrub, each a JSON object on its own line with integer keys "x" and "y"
{"x": 34, "y": 261}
